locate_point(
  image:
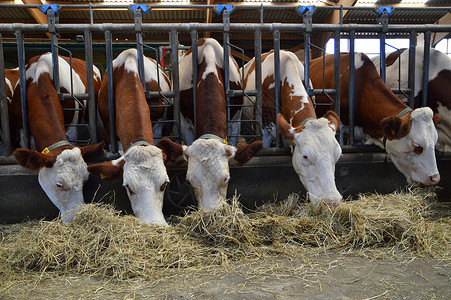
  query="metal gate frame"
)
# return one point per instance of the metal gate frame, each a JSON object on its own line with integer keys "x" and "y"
{"x": 307, "y": 27}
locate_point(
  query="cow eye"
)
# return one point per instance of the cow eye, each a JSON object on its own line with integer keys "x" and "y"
{"x": 129, "y": 189}
{"x": 305, "y": 157}
{"x": 59, "y": 185}
{"x": 163, "y": 186}
{"x": 418, "y": 150}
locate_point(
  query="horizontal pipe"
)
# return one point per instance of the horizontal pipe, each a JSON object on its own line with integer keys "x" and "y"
{"x": 71, "y": 97}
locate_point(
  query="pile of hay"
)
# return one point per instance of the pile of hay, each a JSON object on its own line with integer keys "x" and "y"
{"x": 101, "y": 242}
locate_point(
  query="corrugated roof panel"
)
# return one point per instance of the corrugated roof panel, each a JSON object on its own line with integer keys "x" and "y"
{"x": 15, "y": 14}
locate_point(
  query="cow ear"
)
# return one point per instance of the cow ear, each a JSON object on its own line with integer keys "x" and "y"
{"x": 91, "y": 150}
{"x": 285, "y": 129}
{"x": 436, "y": 119}
{"x": 245, "y": 152}
{"x": 107, "y": 170}
{"x": 334, "y": 120}
{"x": 34, "y": 160}
{"x": 395, "y": 128}
{"x": 171, "y": 149}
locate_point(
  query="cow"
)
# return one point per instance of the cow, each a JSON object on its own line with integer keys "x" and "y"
{"x": 209, "y": 154}
{"x": 316, "y": 151}
{"x": 142, "y": 166}
{"x": 408, "y": 136}
{"x": 11, "y": 79}
{"x": 439, "y": 98}
{"x": 61, "y": 167}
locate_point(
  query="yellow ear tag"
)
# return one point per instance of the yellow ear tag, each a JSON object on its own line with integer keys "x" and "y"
{"x": 225, "y": 142}
{"x": 102, "y": 176}
{"x": 45, "y": 151}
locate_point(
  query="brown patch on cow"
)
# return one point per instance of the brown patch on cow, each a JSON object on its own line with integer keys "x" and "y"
{"x": 245, "y": 152}
{"x": 34, "y": 160}
{"x": 436, "y": 119}
{"x": 392, "y": 57}
{"x": 252, "y": 66}
{"x": 333, "y": 119}
{"x": 284, "y": 127}
{"x": 107, "y": 170}
{"x": 396, "y": 128}
{"x": 170, "y": 148}
{"x": 200, "y": 42}
{"x": 90, "y": 150}
{"x": 439, "y": 91}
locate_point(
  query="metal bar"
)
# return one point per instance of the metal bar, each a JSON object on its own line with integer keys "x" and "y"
{"x": 23, "y": 88}
{"x": 337, "y": 104}
{"x": 176, "y": 82}
{"x": 351, "y": 86}
{"x": 276, "y": 37}
{"x": 52, "y": 21}
{"x": 6, "y": 134}
{"x": 90, "y": 87}
{"x": 382, "y": 56}
{"x": 307, "y": 62}
{"x": 139, "y": 46}
{"x": 427, "y": 56}
{"x": 411, "y": 73}
{"x": 226, "y": 41}
{"x": 111, "y": 102}
{"x": 194, "y": 49}
{"x": 258, "y": 81}
{"x": 150, "y": 94}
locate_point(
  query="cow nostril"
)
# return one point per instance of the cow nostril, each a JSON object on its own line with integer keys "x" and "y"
{"x": 435, "y": 178}
{"x": 226, "y": 179}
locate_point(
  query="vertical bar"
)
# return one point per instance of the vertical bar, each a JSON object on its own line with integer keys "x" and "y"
{"x": 194, "y": 49}
{"x": 351, "y": 86}
{"x": 383, "y": 36}
{"x": 139, "y": 46}
{"x": 90, "y": 87}
{"x": 427, "y": 56}
{"x": 258, "y": 80}
{"x": 23, "y": 88}
{"x": 411, "y": 73}
{"x": 111, "y": 102}
{"x": 175, "y": 81}
{"x": 52, "y": 20}
{"x": 6, "y": 136}
{"x": 337, "y": 78}
{"x": 226, "y": 34}
{"x": 307, "y": 63}
{"x": 276, "y": 37}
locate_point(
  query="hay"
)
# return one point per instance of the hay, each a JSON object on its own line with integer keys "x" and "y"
{"x": 101, "y": 242}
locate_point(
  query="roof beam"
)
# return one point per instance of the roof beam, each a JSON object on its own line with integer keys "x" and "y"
{"x": 438, "y": 36}
{"x": 37, "y": 14}
{"x": 208, "y": 18}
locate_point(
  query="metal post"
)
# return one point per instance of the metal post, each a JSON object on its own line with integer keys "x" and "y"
{"x": 111, "y": 102}
{"x": 258, "y": 81}
{"x": 194, "y": 49}
{"x": 175, "y": 81}
{"x": 52, "y": 21}
{"x": 23, "y": 88}
{"x": 139, "y": 47}
{"x": 276, "y": 37}
{"x": 6, "y": 135}
{"x": 337, "y": 78}
{"x": 226, "y": 34}
{"x": 351, "y": 86}
{"x": 383, "y": 19}
{"x": 90, "y": 87}
{"x": 411, "y": 73}
{"x": 308, "y": 19}
{"x": 427, "y": 56}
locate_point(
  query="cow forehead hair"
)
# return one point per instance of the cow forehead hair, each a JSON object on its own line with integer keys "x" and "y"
{"x": 321, "y": 124}
{"x": 144, "y": 156}
{"x": 422, "y": 114}
{"x": 205, "y": 146}
{"x": 71, "y": 158}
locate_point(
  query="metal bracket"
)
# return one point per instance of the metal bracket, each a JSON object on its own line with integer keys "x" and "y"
{"x": 307, "y": 12}
{"x": 144, "y": 7}
{"x": 219, "y": 8}
{"x": 226, "y": 20}
{"x": 44, "y": 8}
{"x": 53, "y": 19}
{"x": 383, "y": 13}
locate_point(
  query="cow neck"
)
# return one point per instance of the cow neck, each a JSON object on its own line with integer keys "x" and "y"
{"x": 133, "y": 124}
{"x": 305, "y": 121}
{"x": 56, "y": 146}
{"x": 212, "y": 136}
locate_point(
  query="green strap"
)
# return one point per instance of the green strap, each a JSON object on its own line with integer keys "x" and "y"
{"x": 305, "y": 121}
{"x": 55, "y": 146}
{"x": 140, "y": 143}
{"x": 404, "y": 111}
{"x": 213, "y": 136}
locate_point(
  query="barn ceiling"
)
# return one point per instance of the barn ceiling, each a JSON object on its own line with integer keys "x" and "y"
{"x": 189, "y": 13}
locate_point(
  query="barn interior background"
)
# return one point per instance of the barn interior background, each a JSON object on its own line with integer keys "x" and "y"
{"x": 109, "y": 27}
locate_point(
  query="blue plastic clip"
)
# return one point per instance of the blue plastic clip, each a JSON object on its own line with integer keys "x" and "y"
{"x": 384, "y": 8}
{"x": 142, "y": 6}
{"x": 221, "y": 8}
{"x": 45, "y": 8}
{"x": 302, "y": 9}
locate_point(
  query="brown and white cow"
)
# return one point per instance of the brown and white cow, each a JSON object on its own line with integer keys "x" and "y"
{"x": 439, "y": 96}
{"x": 316, "y": 151}
{"x": 142, "y": 164}
{"x": 62, "y": 170}
{"x": 408, "y": 136}
{"x": 11, "y": 79}
{"x": 209, "y": 154}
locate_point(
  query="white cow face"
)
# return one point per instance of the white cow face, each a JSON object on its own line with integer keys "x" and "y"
{"x": 63, "y": 182}
{"x": 315, "y": 154}
{"x": 144, "y": 177}
{"x": 413, "y": 154}
{"x": 208, "y": 170}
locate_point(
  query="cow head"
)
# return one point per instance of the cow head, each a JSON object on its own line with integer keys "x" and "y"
{"x": 315, "y": 154}
{"x": 410, "y": 144}
{"x": 144, "y": 177}
{"x": 208, "y": 166}
{"x": 61, "y": 176}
